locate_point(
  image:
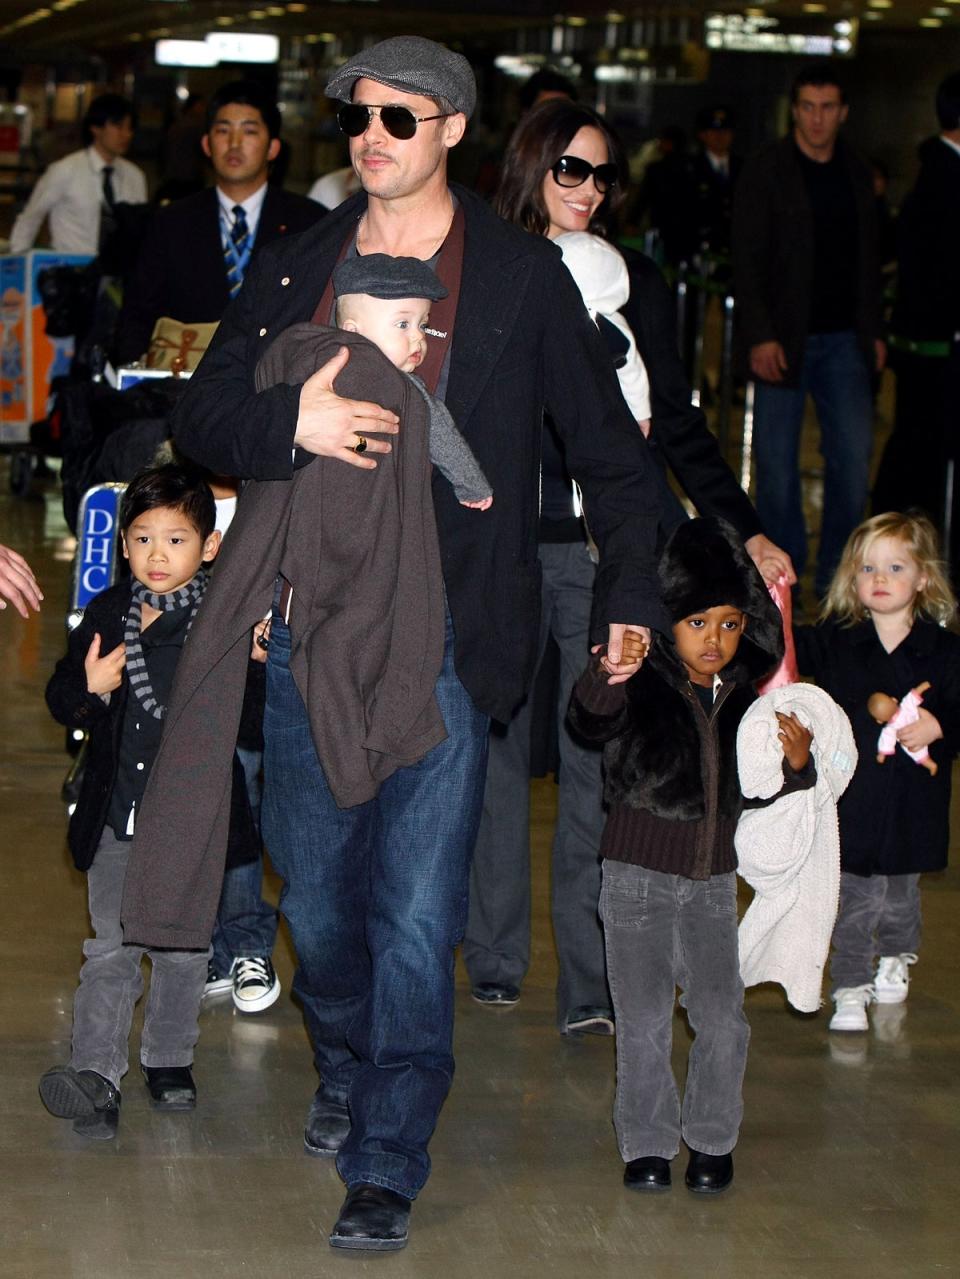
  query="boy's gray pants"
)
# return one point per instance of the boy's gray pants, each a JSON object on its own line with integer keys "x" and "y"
{"x": 879, "y": 915}
{"x": 111, "y": 982}
{"x": 664, "y": 931}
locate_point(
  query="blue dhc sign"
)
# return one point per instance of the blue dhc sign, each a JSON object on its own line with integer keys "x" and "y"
{"x": 96, "y": 562}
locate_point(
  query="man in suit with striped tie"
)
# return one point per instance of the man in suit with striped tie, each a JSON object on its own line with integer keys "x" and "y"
{"x": 198, "y": 249}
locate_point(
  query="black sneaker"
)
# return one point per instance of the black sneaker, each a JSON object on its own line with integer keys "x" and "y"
{"x": 217, "y": 983}
{"x": 589, "y": 1021}
{"x": 255, "y": 984}
{"x": 495, "y": 994}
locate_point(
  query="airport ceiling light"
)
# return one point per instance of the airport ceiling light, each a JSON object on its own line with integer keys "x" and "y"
{"x": 184, "y": 53}
{"x": 931, "y": 22}
{"x": 244, "y": 46}
{"x": 880, "y": 4}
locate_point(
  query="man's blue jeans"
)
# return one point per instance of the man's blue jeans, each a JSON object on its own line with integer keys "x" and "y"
{"x": 246, "y": 925}
{"x": 835, "y": 373}
{"x": 376, "y": 900}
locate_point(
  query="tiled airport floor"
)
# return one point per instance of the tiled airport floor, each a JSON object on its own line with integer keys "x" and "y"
{"x": 845, "y": 1168}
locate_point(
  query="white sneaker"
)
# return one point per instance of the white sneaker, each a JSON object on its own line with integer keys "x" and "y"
{"x": 255, "y": 984}
{"x": 851, "y": 1012}
{"x": 893, "y": 980}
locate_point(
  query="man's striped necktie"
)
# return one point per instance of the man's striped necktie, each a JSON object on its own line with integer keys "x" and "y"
{"x": 237, "y": 251}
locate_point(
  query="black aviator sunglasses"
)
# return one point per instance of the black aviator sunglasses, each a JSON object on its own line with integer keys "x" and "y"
{"x": 571, "y": 171}
{"x": 400, "y": 122}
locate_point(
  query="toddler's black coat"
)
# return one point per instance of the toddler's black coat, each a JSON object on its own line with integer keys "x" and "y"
{"x": 894, "y": 817}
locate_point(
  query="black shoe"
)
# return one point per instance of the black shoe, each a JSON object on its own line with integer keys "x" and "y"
{"x": 327, "y": 1128}
{"x": 650, "y": 1173}
{"x": 493, "y": 992}
{"x": 170, "y": 1087}
{"x": 217, "y": 983}
{"x": 372, "y": 1218}
{"x": 708, "y": 1174}
{"x": 92, "y": 1102}
{"x": 589, "y": 1021}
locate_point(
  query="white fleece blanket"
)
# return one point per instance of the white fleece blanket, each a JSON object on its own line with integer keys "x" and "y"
{"x": 789, "y": 852}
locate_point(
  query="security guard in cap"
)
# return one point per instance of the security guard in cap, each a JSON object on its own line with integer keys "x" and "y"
{"x": 715, "y": 171}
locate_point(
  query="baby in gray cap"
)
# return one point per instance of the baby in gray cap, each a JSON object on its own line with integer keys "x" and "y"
{"x": 387, "y": 300}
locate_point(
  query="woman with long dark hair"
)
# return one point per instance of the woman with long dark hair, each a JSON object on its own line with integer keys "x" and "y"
{"x": 564, "y": 170}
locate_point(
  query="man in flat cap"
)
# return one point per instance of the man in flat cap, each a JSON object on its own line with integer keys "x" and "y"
{"x": 375, "y": 894}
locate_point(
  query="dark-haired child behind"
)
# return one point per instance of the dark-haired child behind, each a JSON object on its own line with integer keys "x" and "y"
{"x": 669, "y": 897}
{"x": 114, "y": 682}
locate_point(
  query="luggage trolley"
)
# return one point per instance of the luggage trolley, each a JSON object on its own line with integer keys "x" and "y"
{"x": 95, "y": 568}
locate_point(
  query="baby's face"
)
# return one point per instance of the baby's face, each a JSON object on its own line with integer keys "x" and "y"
{"x": 395, "y": 325}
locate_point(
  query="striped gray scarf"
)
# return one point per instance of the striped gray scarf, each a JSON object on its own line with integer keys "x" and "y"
{"x": 188, "y": 596}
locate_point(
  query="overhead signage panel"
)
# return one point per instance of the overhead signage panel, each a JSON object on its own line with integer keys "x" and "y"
{"x": 818, "y": 37}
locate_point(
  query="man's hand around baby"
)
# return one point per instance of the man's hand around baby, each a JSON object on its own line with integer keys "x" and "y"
{"x": 331, "y": 426}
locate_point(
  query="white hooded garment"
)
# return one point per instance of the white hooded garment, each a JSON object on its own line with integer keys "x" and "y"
{"x": 601, "y": 275}
{"x": 789, "y": 852}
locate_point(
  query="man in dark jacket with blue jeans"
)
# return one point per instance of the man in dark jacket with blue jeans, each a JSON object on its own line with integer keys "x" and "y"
{"x": 916, "y": 461}
{"x": 375, "y": 894}
{"x": 807, "y": 280}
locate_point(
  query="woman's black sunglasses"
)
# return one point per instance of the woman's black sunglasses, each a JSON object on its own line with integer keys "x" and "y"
{"x": 400, "y": 122}
{"x": 571, "y": 171}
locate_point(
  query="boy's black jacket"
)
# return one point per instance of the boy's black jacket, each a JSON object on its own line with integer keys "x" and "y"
{"x": 71, "y": 705}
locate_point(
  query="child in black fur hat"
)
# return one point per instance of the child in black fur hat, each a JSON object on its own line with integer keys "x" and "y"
{"x": 669, "y": 897}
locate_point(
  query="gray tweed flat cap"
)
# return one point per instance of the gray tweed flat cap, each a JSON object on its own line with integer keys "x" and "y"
{"x": 381, "y": 276}
{"x": 412, "y": 65}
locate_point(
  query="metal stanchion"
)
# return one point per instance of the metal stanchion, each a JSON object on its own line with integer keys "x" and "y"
{"x": 699, "y": 279}
{"x": 681, "y": 304}
{"x": 725, "y": 385}
{"x": 746, "y": 454}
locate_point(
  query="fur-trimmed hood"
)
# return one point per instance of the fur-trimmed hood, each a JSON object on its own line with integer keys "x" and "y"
{"x": 705, "y": 564}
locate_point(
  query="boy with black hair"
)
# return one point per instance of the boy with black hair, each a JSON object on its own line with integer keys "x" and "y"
{"x": 114, "y": 683}
{"x": 669, "y": 896}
